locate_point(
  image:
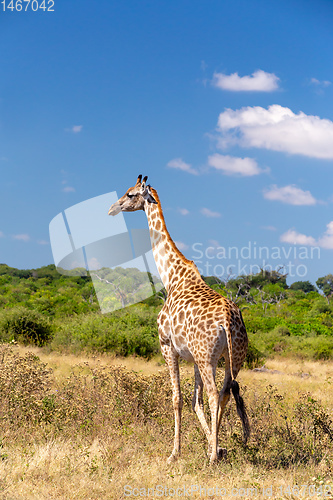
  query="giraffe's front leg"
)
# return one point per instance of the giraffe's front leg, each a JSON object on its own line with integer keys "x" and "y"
{"x": 171, "y": 358}
{"x": 197, "y": 403}
{"x": 213, "y": 398}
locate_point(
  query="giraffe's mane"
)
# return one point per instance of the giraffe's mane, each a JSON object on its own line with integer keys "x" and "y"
{"x": 174, "y": 246}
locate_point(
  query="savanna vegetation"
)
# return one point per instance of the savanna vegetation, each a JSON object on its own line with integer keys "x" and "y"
{"x": 44, "y": 308}
{"x": 86, "y": 408}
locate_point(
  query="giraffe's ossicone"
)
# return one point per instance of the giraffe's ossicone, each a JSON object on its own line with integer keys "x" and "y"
{"x": 196, "y": 323}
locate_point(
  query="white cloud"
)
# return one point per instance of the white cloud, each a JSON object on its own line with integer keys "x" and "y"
{"x": 181, "y": 165}
{"x": 183, "y": 211}
{"x": 320, "y": 83}
{"x": 181, "y": 246}
{"x": 2, "y": 234}
{"x": 209, "y": 213}
{"x": 76, "y": 129}
{"x": 290, "y": 194}
{"x": 43, "y": 242}
{"x": 230, "y": 165}
{"x": 203, "y": 65}
{"x": 324, "y": 241}
{"x": 259, "y": 81}
{"x": 214, "y": 243}
{"x": 21, "y": 237}
{"x": 68, "y": 189}
{"x": 269, "y": 228}
{"x": 278, "y": 129}
{"x": 295, "y": 238}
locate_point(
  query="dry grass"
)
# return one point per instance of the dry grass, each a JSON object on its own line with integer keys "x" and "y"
{"x": 90, "y": 427}
{"x": 294, "y": 376}
{"x": 63, "y": 364}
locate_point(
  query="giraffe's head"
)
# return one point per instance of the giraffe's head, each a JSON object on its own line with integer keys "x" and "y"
{"x": 134, "y": 199}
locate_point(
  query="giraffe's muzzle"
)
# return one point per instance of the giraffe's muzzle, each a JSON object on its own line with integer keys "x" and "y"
{"x": 114, "y": 209}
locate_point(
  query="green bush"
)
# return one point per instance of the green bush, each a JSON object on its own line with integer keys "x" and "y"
{"x": 324, "y": 351}
{"x": 123, "y": 333}
{"x": 313, "y": 327}
{"x": 306, "y": 347}
{"x": 282, "y": 330}
{"x": 260, "y": 323}
{"x": 25, "y": 326}
{"x": 254, "y": 357}
{"x": 320, "y": 306}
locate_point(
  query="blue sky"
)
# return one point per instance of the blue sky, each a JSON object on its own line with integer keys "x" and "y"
{"x": 225, "y": 105}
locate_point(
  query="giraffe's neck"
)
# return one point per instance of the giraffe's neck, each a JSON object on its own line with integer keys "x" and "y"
{"x": 170, "y": 262}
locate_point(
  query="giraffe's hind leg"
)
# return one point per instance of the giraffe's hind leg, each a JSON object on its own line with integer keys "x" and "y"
{"x": 224, "y": 397}
{"x": 198, "y": 407}
{"x": 207, "y": 372}
{"x": 225, "y": 391}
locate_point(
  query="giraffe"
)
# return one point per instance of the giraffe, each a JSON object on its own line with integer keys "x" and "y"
{"x": 195, "y": 323}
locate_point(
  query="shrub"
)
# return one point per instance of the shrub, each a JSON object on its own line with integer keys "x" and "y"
{"x": 287, "y": 432}
{"x": 124, "y": 334}
{"x": 282, "y": 330}
{"x": 24, "y": 381}
{"x": 25, "y": 326}
{"x": 254, "y": 357}
{"x": 320, "y": 306}
{"x": 324, "y": 352}
{"x": 313, "y": 327}
{"x": 259, "y": 323}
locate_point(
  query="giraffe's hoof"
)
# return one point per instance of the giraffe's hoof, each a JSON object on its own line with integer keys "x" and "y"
{"x": 213, "y": 459}
{"x": 173, "y": 457}
{"x": 222, "y": 453}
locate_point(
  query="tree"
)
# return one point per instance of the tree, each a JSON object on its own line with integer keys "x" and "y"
{"x": 242, "y": 287}
{"x": 212, "y": 280}
{"x": 271, "y": 293}
{"x": 325, "y": 284}
{"x": 304, "y": 286}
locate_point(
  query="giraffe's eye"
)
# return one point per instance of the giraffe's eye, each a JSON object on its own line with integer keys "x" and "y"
{"x": 130, "y": 195}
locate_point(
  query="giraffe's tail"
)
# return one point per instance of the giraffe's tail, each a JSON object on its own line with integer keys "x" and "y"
{"x": 227, "y": 331}
{"x": 241, "y": 410}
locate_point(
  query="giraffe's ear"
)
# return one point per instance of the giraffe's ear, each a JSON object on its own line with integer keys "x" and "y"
{"x": 150, "y": 198}
{"x": 146, "y": 192}
{"x": 143, "y": 183}
{"x": 143, "y": 188}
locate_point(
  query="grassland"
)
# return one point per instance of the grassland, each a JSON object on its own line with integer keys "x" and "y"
{"x": 78, "y": 427}
{"x": 86, "y": 407}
